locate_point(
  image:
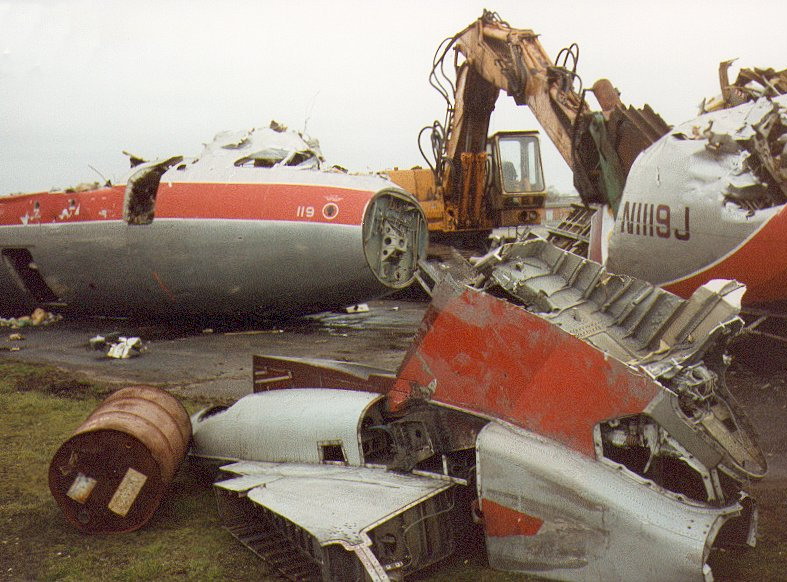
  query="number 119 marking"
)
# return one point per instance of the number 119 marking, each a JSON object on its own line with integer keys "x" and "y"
{"x": 304, "y": 212}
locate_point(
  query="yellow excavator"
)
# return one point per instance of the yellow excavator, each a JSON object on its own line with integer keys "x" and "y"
{"x": 475, "y": 182}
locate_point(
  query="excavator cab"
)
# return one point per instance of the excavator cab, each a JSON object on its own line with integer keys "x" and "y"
{"x": 516, "y": 177}
{"x": 500, "y": 186}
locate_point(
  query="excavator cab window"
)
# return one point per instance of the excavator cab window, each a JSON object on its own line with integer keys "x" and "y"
{"x": 519, "y": 162}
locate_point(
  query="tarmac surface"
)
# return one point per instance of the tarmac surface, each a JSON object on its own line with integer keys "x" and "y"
{"x": 216, "y": 364}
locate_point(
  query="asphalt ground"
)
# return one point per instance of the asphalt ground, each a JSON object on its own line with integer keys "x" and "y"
{"x": 216, "y": 362}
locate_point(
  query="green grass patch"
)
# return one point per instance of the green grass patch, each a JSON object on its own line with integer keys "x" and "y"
{"x": 39, "y": 409}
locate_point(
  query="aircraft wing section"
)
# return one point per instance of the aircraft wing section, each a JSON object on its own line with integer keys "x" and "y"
{"x": 339, "y": 512}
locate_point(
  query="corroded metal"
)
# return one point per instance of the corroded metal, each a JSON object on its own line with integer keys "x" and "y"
{"x": 113, "y": 472}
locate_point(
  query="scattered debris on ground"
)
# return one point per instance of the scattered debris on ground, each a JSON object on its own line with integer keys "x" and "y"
{"x": 38, "y": 317}
{"x": 118, "y": 346}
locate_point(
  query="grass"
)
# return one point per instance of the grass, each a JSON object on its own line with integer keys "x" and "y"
{"x": 39, "y": 409}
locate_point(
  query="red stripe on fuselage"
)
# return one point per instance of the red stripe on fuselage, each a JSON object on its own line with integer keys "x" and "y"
{"x": 291, "y": 202}
{"x": 760, "y": 263}
{"x": 62, "y": 207}
{"x": 278, "y": 202}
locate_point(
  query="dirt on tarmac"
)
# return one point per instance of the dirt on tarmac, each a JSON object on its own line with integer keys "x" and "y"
{"x": 215, "y": 362}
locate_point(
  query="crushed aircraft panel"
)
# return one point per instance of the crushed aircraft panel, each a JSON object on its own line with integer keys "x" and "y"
{"x": 401, "y": 513}
{"x": 271, "y": 373}
{"x": 573, "y": 413}
{"x": 553, "y": 512}
{"x": 750, "y": 85}
{"x": 257, "y": 223}
{"x": 302, "y": 426}
{"x": 314, "y": 479}
{"x": 629, "y": 343}
{"x": 708, "y": 201}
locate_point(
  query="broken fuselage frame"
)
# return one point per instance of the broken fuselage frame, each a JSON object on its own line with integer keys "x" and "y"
{"x": 719, "y": 211}
{"x": 251, "y": 226}
{"x": 579, "y": 416}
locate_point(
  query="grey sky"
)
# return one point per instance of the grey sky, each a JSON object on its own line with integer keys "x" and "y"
{"x": 82, "y": 80}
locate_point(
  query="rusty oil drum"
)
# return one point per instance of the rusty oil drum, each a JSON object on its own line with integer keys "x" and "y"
{"x": 113, "y": 472}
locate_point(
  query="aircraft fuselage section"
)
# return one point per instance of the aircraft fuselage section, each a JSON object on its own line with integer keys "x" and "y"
{"x": 698, "y": 206}
{"x": 208, "y": 247}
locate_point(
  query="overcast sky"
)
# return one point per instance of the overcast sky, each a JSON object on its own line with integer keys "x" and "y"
{"x": 82, "y": 80}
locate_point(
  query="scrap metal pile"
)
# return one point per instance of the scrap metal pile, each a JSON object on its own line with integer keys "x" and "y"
{"x": 576, "y": 416}
{"x": 707, "y": 200}
{"x": 561, "y": 417}
{"x": 750, "y": 85}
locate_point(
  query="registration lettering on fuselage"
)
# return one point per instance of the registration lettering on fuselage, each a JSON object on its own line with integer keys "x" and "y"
{"x": 656, "y": 220}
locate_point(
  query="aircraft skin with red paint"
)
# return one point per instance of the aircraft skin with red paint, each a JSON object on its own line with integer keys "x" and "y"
{"x": 251, "y": 226}
{"x": 581, "y": 418}
{"x": 707, "y": 201}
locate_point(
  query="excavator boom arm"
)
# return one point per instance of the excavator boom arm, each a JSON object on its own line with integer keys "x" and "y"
{"x": 598, "y": 146}
{"x": 516, "y": 62}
